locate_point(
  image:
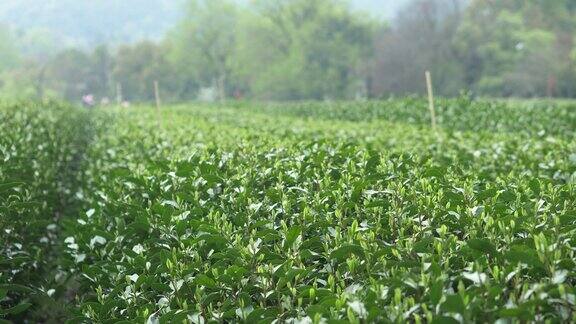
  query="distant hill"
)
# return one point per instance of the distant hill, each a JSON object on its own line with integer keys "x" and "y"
{"x": 92, "y": 21}
{"x": 84, "y": 23}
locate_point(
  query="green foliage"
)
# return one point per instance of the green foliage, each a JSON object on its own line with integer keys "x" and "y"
{"x": 250, "y": 212}
{"x": 278, "y": 50}
{"x": 8, "y": 52}
{"x": 303, "y": 50}
{"x": 41, "y": 151}
{"x": 136, "y": 67}
{"x": 204, "y": 44}
{"x": 505, "y": 53}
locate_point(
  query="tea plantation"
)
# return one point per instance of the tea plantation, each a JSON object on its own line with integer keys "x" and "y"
{"x": 294, "y": 213}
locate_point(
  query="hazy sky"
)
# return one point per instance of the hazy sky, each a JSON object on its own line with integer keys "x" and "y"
{"x": 86, "y": 22}
{"x": 384, "y": 8}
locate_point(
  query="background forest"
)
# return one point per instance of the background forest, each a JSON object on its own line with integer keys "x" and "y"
{"x": 288, "y": 49}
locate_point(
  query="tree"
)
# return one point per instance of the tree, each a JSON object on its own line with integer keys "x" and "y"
{"x": 419, "y": 40}
{"x": 70, "y": 74}
{"x": 9, "y": 56}
{"x": 137, "y": 66}
{"x": 203, "y": 45}
{"x": 9, "y": 61}
{"x": 298, "y": 49}
{"x": 102, "y": 65}
{"x": 505, "y": 51}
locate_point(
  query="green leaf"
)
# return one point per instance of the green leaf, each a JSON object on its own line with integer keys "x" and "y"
{"x": 521, "y": 312}
{"x": 16, "y": 309}
{"x": 507, "y": 196}
{"x": 9, "y": 185}
{"x": 444, "y": 320}
{"x": 291, "y": 236}
{"x": 15, "y": 287}
{"x": 482, "y": 245}
{"x": 342, "y": 253}
{"x": 120, "y": 173}
{"x": 486, "y": 194}
{"x": 568, "y": 218}
{"x": 524, "y": 254}
{"x": 435, "y": 172}
{"x": 212, "y": 179}
{"x": 424, "y": 245}
{"x": 259, "y": 315}
{"x": 535, "y": 186}
{"x": 109, "y": 305}
{"x": 204, "y": 280}
{"x": 436, "y": 292}
{"x": 453, "y": 304}
{"x": 372, "y": 164}
{"x": 357, "y": 192}
{"x": 378, "y": 203}
{"x": 214, "y": 241}
{"x": 185, "y": 169}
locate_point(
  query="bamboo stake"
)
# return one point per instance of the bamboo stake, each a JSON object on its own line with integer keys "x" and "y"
{"x": 431, "y": 99}
{"x": 119, "y": 98}
{"x": 158, "y": 101}
{"x": 157, "y": 95}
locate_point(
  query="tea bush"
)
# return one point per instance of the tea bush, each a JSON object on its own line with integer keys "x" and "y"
{"x": 41, "y": 153}
{"x": 307, "y": 212}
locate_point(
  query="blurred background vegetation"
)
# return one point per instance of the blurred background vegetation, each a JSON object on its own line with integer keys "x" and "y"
{"x": 286, "y": 49}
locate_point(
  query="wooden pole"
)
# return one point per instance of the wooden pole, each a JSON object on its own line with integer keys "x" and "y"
{"x": 158, "y": 102}
{"x": 157, "y": 95}
{"x": 119, "y": 98}
{"x": 431, "y": 99}
{"x": 551, "y": 87}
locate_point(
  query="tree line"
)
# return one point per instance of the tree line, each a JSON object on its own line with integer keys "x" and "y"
{"x": 322, "y": 49}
